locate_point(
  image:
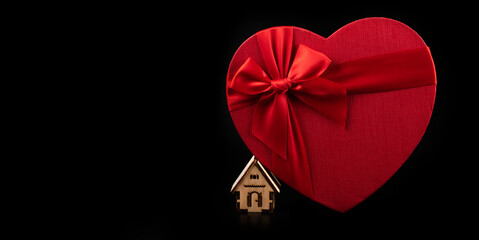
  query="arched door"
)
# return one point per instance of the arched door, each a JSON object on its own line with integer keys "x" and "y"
{"x": 255, "y": 199}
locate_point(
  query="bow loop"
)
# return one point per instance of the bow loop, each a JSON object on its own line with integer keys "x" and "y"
{"x": 250, "y": 79}
{"x": 308, "y": 64}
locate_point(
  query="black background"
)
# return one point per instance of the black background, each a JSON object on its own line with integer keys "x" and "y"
{"x": 155, "y": 151}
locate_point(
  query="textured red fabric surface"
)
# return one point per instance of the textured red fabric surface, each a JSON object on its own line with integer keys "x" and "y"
{"x": 347, "y": 164}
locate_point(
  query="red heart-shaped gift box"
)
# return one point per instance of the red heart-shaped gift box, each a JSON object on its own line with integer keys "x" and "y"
{"x": 346, "y": 162}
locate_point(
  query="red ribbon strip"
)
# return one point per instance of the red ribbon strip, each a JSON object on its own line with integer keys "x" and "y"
{"x": 315, "y": 80}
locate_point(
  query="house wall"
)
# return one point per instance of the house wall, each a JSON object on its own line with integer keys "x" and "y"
{"x": 257, "y": 183}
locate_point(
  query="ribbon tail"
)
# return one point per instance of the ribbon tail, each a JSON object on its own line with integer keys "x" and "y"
{"x": 275, "y": 124}
{"x": 270, "y": 122}
{"x": 295, "y": 170}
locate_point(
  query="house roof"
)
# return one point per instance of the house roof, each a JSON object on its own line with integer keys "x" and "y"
{"x": 272, "y": 180}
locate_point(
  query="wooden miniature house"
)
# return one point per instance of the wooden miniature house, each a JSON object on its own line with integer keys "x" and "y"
{"x": 255, "y": 188}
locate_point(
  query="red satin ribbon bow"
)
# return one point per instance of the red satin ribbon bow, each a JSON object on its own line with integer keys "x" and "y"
{"x": 322, "y": 85}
